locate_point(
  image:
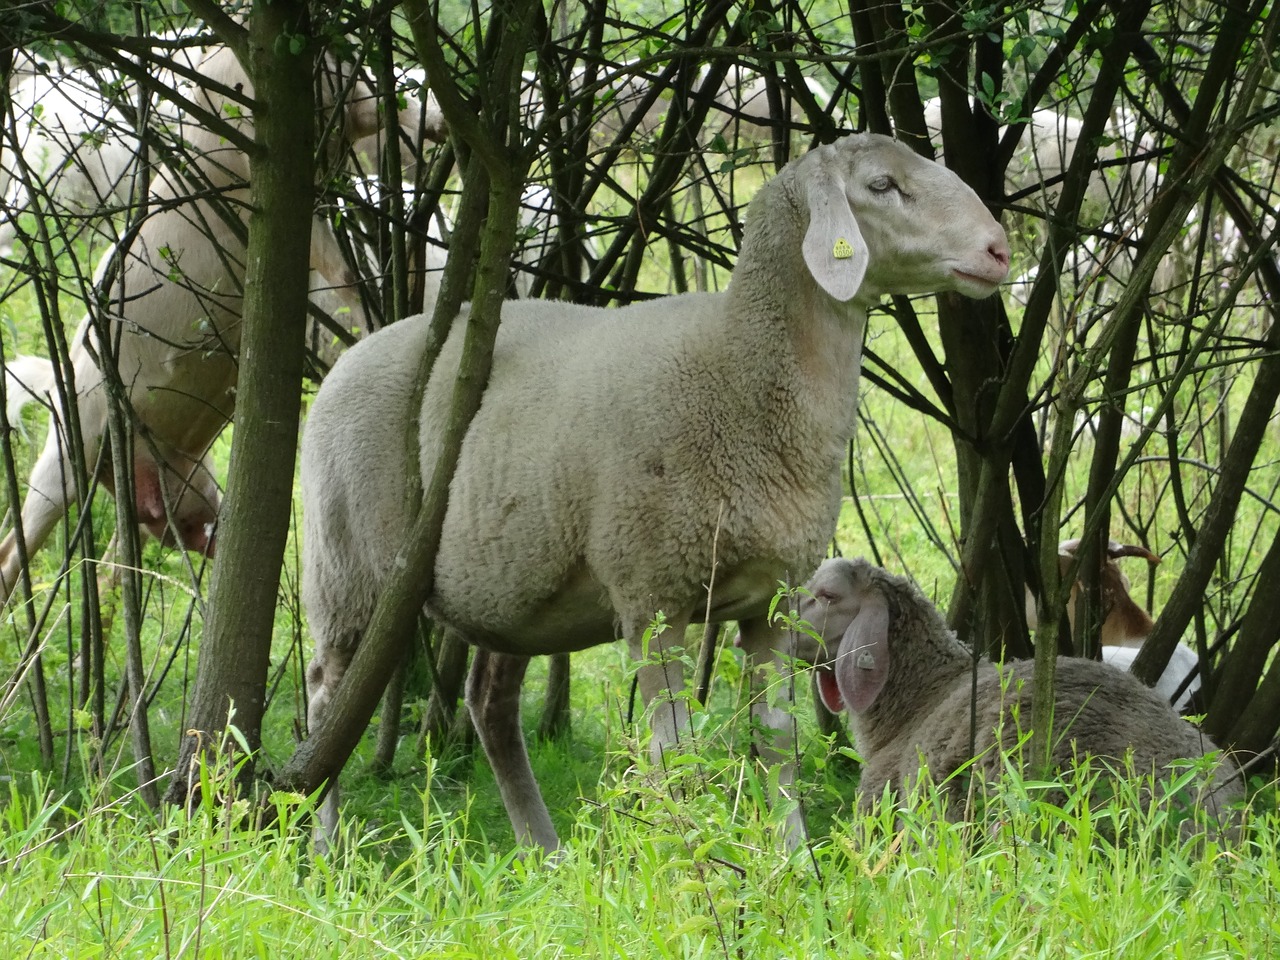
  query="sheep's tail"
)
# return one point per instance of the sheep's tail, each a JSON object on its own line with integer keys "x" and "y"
{"x": 27, "y": 380}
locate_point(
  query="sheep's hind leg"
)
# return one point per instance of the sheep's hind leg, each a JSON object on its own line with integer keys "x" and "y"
{"x": 324, "y": 673}
{"x": 493, "y": 697}
{"x": 769, "y": 654}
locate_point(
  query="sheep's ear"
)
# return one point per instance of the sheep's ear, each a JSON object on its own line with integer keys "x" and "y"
{"x": 864, "y": 655}
{"x": 834, "y": 249}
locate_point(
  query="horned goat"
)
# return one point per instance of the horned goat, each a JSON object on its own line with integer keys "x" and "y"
{"x": 909, "y": 686}
{"x": 1125, "y": 624}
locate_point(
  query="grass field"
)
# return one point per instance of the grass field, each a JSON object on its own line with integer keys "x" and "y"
{"x": 642, "y": 876}
{"x": 427, "y": 869}
{"x": 426, "y": 866}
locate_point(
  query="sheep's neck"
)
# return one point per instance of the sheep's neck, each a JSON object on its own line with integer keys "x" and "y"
{"x": 898, "y": 707}
{"x": 827, "y": 339}
{"x": 819, "y": 341}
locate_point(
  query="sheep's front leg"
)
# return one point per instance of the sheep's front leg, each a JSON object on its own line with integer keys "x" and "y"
{"x": 327, "y": 260}
{"x": 661, "y": 680}
{"x": 49, "y": 492}
{"x": 769, "y": 654}
{"x": 493, "y": 697}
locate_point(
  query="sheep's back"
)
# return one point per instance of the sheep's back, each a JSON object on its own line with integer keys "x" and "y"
{"x": 1101, "y": 712}
{"x": 1108, "y": 712}
{"x": 178, "y": 334}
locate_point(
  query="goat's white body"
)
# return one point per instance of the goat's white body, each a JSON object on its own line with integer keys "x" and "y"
{"x": 1181, "y": 663}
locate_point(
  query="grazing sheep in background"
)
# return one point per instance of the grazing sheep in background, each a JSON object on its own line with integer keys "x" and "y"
{"x": 1125, "y": 624}
{"x": 1119, "y": 192}
{"x": 907, "y": 684}
{"x": 181, "y": 280}
{"x": 420, "y": 122}
{"x": 69, "y": 137}
{"x": 79, "y": 145}
{"x": 623, "y": 459}
{"x": 1046, "y": 144}
{"x": 744, "y": 113}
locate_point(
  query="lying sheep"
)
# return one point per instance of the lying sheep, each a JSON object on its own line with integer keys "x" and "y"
{"x": 906, "y": 682}
{"x": 623, "y": 459}
{"x": 179, "y": 328}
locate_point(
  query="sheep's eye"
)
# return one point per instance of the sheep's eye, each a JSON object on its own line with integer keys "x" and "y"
{"x": 884, "y": 185}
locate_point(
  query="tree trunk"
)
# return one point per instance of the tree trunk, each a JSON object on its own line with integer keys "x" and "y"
{"x": 231, "y": 673}
{"x": 1241, "y": 712}
{"x": 706, "y": 664}
{"x": 452, "y": 657}
{"x": 493, "y": 177}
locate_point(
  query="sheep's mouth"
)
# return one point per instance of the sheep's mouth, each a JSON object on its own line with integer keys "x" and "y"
{"x": 829, "y": 690}
{"x": 975, "y": 284}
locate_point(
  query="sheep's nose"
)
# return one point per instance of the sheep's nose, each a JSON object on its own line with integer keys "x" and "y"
{"x": 999, "y": 251}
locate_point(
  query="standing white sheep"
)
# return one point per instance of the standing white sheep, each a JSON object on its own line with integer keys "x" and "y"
{"x": 624, "y": 459}
{"x": 76, "y": 144}
{"x": 175, "y": 305}
{"x": 908, "y": 685}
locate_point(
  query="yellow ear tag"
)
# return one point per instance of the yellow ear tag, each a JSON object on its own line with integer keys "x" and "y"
{"x": 842, "y": 250}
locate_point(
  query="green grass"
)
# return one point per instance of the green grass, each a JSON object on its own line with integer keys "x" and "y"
{"x": 427, "y": 867}
{"x": 642, "y": 875}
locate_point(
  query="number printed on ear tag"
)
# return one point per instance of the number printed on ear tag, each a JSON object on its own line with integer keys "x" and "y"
{"x": 842, "y": 249}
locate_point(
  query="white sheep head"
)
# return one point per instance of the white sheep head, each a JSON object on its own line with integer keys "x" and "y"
{"x": 852, "y": 616}
{"x": 866, "y": 197}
